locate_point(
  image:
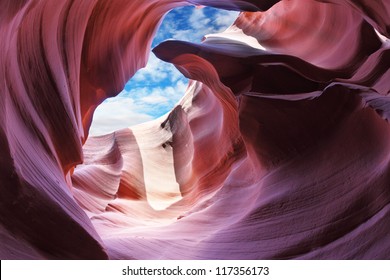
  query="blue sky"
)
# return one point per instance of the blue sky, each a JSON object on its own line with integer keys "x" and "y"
{"x": 155, "y": 89}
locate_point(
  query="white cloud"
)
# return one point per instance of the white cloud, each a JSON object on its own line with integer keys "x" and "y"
{"x": 199, "y": 24}
{"x": 164, "y": 96}
{"x": 134, "y": 107}
{"x": 155, "y": 98}
{"x": 224, "y": 19}
{"x": 198, "y": 20}
{"x": 116, "y": 113}
{"x": 156, "y": 71}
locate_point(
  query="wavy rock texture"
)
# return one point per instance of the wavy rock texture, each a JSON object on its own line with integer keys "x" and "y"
{"x": 280, "y": 147}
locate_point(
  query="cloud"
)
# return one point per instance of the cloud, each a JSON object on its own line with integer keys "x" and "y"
{"x": 116, "y": 113}
{"x": 224, "y": 19}
{"x": 199, "y": 21}
{"x": 192, "y": 24}
{"x": 155, "y": 98}
{"x": 204, "y": 21}
{"x": 151, "y": 100}
{"x": 155, "y": 72}
{"x": 136, "y": 106}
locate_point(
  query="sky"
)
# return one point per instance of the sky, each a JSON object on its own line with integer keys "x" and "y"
{"x": 154, "y": 90}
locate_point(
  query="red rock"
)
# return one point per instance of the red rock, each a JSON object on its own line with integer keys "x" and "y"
{"x": 279, "y": 148}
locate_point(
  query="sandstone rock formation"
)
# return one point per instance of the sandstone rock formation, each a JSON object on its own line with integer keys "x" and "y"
{"x": 280, "y": 147}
